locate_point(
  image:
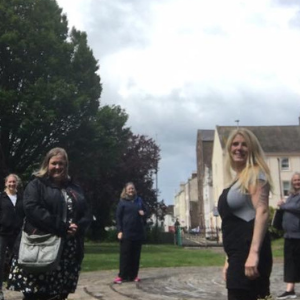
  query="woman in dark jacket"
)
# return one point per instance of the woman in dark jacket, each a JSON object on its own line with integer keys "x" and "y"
{"x": 11, "y": 220}
{"x": 131, "y": 232}
{"x": 45, "y": 199}
{"x": 291, "y": 227}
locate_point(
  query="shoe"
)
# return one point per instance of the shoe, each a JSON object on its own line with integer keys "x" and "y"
{"x": 137, "y": 279}
{"x": 287, "y": 295}
{"x": 117, "y": 280}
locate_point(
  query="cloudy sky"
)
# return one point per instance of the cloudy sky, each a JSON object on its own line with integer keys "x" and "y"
{"x": 176, "y": 66}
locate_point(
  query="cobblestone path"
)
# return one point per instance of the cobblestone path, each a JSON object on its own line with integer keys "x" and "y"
{"x": 203, "y": 283}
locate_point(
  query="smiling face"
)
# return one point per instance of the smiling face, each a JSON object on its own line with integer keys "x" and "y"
{"x": 296, "y": 182}
{"x": 130, "y": 190}
{"x": 11, "y": 184}
{"x": 57, "y": 168}
{"x": 239, "y": 152}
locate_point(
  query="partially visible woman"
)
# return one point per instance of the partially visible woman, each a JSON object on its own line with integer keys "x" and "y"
{"x": 45, "y": 198}
{"x": 291, "y": 227}
{"x": 244, "y": 210}
{"x": 130, "y": 218}
{"x": 11, "y": 220}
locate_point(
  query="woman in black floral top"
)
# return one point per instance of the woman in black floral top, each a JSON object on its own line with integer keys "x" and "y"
{"x": 44, "y": 200}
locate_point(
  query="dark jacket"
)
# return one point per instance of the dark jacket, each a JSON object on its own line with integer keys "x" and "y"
{"x": 291, "y": 217}
{"x": 11, "y": 217}
{"x": 44, "y": 207}
{"x": 129, "y": 221}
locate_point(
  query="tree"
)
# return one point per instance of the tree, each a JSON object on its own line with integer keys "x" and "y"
{"x": 48, "y": 81}
{"x": 49, "y": 96}
{"x": 105, "y": 156}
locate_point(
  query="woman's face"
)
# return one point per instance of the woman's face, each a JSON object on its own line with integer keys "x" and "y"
{"x": 296, "y": 182}
{"x": 130, "y": 190}
{"x": 11, "y": 184}
{"x": 57, "y": 168}
{"x": 239, "y": 151}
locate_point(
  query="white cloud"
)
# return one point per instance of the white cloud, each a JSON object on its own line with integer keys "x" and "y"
{"x": 180, "y": 65}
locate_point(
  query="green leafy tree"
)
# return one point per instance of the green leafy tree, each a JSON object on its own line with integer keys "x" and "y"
{"x": 104, "y": 156}
{"x": 49, "y": 96}
{"x": 48, "y": 81}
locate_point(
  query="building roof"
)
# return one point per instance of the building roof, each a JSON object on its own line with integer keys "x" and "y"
{"x": 273, "y": 139}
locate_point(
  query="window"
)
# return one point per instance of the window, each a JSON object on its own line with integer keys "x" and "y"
{"x": 286, "y": 188}
{"x": 285, "y": 164}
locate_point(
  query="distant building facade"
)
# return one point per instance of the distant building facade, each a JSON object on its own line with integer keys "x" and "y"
{"x": 204, "y": 150}
{"x": 186, "y": 203}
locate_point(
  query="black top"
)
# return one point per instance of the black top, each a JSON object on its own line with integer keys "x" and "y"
{"x": 237, "y": 237}
{"x": 11, "y": 217}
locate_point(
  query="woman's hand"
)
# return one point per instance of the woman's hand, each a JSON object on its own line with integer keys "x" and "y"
{"x": 141, "y": 212}
{"x": 120, "y": 235}
{"x": 72, "y": 229}
{"x": 251, "y": 264}
{"x": 224, "y": 271}
{"x": 280, "y": 202}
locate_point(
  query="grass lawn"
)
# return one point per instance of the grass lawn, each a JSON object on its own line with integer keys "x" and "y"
{"x": 105, "y": 256}
{"x": 277, "y": 248}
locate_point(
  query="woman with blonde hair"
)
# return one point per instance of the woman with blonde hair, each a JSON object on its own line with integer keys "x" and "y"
{"x": 56, "y": 205}
{"x": 130, "y": 216}
{"x": 11, "y": 219}
{"x": 244, "y": 209}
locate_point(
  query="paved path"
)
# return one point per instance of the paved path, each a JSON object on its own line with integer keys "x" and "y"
{"x": 159, "y": 284}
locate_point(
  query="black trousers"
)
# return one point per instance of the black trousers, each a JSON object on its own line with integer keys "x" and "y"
{"x": 292, "y": 260}
{"x": 130, "y": 253}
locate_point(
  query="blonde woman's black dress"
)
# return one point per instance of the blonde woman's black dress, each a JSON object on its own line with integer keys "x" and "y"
{"x": 238, "y": 217}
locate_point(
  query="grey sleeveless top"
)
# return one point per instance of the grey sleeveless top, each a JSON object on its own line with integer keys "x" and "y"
{"x": 240, "y": 204}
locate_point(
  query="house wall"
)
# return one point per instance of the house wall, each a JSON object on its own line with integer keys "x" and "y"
{"x": 279, "y": 175}
{"x": 186, "y": 201}
{"x": 208, "y": 199}
{"x": 180, "y": 205}
{"x": 217, "y": 169}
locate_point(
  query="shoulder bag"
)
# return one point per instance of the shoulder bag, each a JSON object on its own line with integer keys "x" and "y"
{"x": 277, "y": 219}
{"x": 41, "y": 253}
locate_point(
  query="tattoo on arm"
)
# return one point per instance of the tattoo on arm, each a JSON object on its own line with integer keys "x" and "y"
{"x": 264, "y": 190}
